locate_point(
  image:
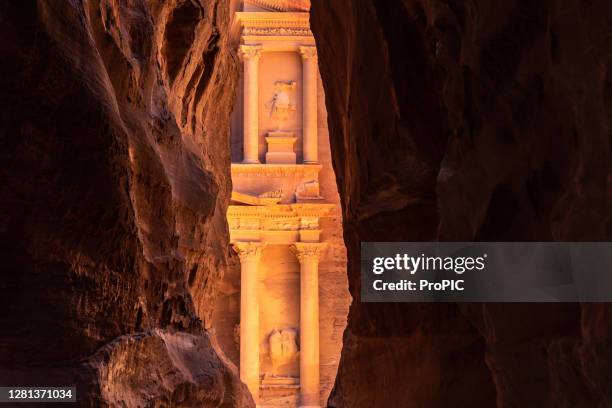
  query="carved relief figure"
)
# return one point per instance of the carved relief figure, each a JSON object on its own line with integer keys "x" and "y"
{"x": 283, "y": 348}
{"x": 280, "y": 105}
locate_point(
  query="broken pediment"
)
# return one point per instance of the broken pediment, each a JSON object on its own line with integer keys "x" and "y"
{"x": 267, "y": 198}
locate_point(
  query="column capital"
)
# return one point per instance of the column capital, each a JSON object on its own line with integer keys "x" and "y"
{"x": 308, "y": 251}
{"x": 250, "y": 51}
{"x": 248, "y": 251}
{"x": 308, "y": 51}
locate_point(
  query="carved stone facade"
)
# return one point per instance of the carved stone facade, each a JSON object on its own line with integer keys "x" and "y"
{"x": 289, "y": 294}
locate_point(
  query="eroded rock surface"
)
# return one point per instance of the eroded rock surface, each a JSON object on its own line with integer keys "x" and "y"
{"x": 113, "y": 188}
{"x": 470, "y": 120}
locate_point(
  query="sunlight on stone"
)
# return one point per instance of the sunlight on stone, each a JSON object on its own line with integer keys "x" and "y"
{"x": 281, "y": 312}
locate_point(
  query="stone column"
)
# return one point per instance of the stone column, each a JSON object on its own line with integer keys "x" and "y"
{"x": 308, "y": 254}
{"x": 310, "y": 70}
{"x": 250, "y": 57}
{"x": 249, "y": 253}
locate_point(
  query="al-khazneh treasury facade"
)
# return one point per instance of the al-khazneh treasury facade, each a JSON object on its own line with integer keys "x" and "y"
{"x": 282, "y": 312}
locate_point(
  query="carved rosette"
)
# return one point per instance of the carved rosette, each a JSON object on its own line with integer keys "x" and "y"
{"x": 248, "y": 52}
{"x": 248, "y": 251}
{"x": 308, "y": 51}
{"x": 307, "y": 251}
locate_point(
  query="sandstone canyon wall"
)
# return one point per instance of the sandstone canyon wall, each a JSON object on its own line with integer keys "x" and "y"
{"x": 470, "y": 120}
{"x": 449, "y": 119}
{"x": 114, "y": 183}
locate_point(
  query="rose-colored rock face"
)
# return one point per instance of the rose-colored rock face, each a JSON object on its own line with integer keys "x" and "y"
{"x": 453, "y": 120}
{"x": 113, "y": 189}
{"x": 470, "y": 120}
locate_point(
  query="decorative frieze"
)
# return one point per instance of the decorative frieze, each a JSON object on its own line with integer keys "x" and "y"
{"x": 276, "y": 170}
{"x": 277, "y": 31}
{"x": 281, "y": 225}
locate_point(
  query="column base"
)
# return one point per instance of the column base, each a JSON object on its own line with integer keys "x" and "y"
{"x": 310, "y": 162}
{"x": 251, "y": 162}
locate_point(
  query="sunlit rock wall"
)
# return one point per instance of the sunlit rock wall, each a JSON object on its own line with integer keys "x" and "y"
{"x": 470, "y": 120}
{"x": 113, "y": 187}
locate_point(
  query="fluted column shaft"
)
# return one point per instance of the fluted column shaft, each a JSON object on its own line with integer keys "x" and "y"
{"x": 308, "y": 255}
{"x": 250, "y": 253}
{"x": 310, "y": 71}
{"x": 250, "y": 56}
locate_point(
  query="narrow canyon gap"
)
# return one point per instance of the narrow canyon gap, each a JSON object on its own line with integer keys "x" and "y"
{"x": 282, "y": 305}
{"x": 470, "y": 120}
{"x": 114, "y": 185}
{"x": 450, "y": 120}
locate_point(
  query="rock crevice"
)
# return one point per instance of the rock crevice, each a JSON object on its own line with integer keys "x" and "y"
{"x": 469, "y": 120}
{"x": 114, "y": 185}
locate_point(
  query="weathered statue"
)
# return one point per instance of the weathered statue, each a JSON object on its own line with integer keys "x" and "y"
{"x": 283, "y": 348}
{"x": 280, "y": 105}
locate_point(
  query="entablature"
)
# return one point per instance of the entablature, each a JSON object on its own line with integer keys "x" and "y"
{"x": 290, "y": 28}
{"x": 283, "y": 223}
{"x": 282, "y": 170}
{"x": 281, "y": 5}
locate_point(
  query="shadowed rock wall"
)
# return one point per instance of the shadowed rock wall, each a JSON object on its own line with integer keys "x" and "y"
{"x": 470, "y": 120}
{"x": 114, "y": 180}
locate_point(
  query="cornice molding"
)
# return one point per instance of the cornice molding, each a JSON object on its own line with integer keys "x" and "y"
{"x": 252, "y": 19}
{"x": 282, "y": 5}
{"x": 272, "y": 25}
